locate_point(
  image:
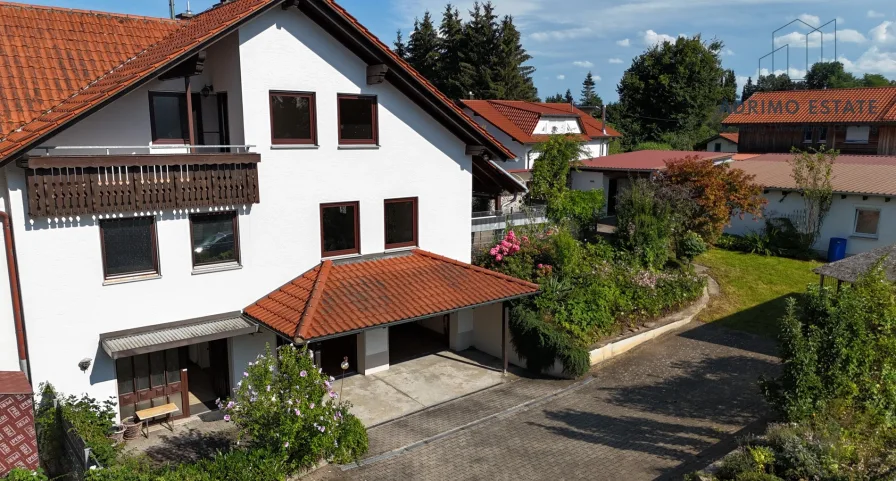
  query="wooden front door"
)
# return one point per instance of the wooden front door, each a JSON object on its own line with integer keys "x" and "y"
{"x": 149, "y": 380}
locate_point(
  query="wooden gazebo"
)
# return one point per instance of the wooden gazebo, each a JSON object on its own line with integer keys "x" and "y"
{"x": 850, "y": 268}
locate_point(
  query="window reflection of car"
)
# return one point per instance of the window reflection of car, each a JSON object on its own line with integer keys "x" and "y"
{"x": 218, "y": 245}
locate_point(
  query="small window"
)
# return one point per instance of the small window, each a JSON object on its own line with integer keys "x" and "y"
{"x": 822, "y": 135}
{"x": 857, "y": 134}
{"x": 293, "y": 118}
{"x": 215, "y": 239}
{"x": 718, "y": 147}
{"x": 866, "y": 222}
{"x": 340, "y": 231}
{"x": 168, "y": 117}
{"x": 357, "y": 119}
{"x": 401, "y": 223}
{"x": 129, "y": 247}
{"x": 807, "y": 135}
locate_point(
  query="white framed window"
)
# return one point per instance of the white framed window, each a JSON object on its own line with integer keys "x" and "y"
{"x": 866, "y": 222}
{"x": 857, "y": 134}
{"x": 807, "y": 135}
{"x": 822, "y": 135}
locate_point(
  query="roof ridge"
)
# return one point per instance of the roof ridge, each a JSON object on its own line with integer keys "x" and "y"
{"x": 87, "y": 12}
{"x": 477, "y": 268}
{"x": 314, "y": 297}
{"x": 827, "y": 90}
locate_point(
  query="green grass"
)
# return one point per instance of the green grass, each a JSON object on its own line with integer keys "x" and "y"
{"x": 753, "y": 289}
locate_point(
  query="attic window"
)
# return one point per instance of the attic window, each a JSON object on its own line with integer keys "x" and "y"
{"x": 357, "y": 119}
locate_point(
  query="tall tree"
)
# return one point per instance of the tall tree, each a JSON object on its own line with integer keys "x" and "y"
{"x": 568, "y": 97}
{"x": 748, "y": 90}
{"x": 589, "y": 97}
{"x": 876, "y": 80}
{"x": 399, "y": 47}
{"x": 673, "y": 88}
{"x": 482, "y": 43}
{"x": 513, "y": 76}
{"x": 829, "y": 75}
{"x": 423, "y": 47}
{"x": 455, "y": 77}
{"x": 555, "y": 99}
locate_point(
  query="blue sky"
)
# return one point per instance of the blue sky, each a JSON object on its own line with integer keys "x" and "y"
{"x": 567, "y": 39}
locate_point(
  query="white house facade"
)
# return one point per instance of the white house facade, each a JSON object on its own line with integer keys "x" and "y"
{"x": 330, "y": 156}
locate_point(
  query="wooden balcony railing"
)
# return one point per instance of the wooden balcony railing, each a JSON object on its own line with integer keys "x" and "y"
{"x": 95, "y": 184}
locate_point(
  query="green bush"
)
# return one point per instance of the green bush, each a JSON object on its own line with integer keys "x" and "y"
{"x": 352, "y": 438}
{"x": 583, "y": 208}
{"x": 93, "y": 421}
{"x": 285, "y": 405}
{"x": 690, "y": 246}
{"x": 652, "y": 146}
{"x": 22, "y": 474}
{"x": 645, "y": 223}
{"x": 238, "y": 465}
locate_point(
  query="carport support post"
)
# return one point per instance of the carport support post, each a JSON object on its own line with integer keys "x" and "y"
{"x": 505, "y": 315}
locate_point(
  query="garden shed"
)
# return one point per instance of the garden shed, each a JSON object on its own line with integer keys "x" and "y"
{"x": 850, "y": 268}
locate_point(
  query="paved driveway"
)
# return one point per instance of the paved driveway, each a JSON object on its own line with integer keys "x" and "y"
{"x": 656, "y": 413}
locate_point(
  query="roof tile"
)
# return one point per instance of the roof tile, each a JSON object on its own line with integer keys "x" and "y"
{"x": 357, "y": 294}
{"x": 852, "y": 174}
{"x": 809, "y": 106}
{"x": 518, "y": 118}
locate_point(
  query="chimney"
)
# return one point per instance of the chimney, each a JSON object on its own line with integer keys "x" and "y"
{"x": 171, "y": 8}
{"x": 603, "y": 118}
{"x": 186, "y": 15}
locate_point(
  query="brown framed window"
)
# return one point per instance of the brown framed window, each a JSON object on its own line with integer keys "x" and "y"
{"x": 340, "y": 231}
{"x": 401, "y": 222}
{"x": 293, "y": 118}
{"x": 358, "y": 119}
{"x": 215, "y": 238}
{"x": 168, "y": 117}
{"x": 129, "y": 247}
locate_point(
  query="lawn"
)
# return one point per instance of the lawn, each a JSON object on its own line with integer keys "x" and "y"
{"x": 753, "y": 288}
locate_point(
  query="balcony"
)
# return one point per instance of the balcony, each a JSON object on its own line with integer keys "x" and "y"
{"x": 105, "y": 180}
{"x": 496, "y": 220}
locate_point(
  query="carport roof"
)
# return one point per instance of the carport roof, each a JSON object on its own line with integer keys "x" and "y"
{"x": 338, "y": 297}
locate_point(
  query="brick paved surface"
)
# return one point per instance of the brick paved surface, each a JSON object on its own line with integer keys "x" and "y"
{"x": 655, "y": 413}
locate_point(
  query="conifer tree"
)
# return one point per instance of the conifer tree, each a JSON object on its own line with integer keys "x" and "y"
{"x": 400, "y": 48}
{"x": 455, "y": 77}
{"x": 423, "y": 47}
{"x": 481, "y": 35}
{"x": 568, "y": 97}
{"x": 514, "y": 77}
{"x": 589, "y": 97}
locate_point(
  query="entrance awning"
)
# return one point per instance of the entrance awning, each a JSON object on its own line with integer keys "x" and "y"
{"x": 340, "y": 297}
{"x": 176, "y": 334}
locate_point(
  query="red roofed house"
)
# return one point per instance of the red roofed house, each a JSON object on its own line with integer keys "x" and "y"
{"x": 724, "y": 142}
{"x": 521, "y": 125}
{"x": 862, "y": 210}
{"x": 853, "y": 121}
{"x": 178, "y": 194}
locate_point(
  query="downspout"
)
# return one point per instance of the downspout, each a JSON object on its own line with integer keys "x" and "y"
{"x": 14, "y": 294}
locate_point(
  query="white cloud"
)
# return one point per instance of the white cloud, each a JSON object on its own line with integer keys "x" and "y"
{"x": 583, "y": 63}
{"x": 793, "y": 73}
{"x": 741, "y": 81}
{"x": 652, "y": 38}
{"x": 797, "y": 39}
{"x": 596, "y": 78}
{"x": 810, "y": 19}
{"x": 615, "y": 60}
{"x": 561, "y": 77}
{"x": 623, "y": 43}
{"x": 873, "y": 14}
{"x": 874, "y": 60}
{"x": 885, "y": 33}
{"x": 567, "y": 34}
{"x": 728, "y": 52}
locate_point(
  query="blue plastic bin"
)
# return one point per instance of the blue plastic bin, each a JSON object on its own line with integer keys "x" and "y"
{"x": 836, "y": 249}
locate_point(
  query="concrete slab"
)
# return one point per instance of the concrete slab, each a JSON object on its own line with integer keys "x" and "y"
{"x": 419, "y": 383}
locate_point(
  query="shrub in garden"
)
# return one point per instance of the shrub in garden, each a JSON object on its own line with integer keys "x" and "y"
{"x": 286, "y": 405}
{"x": 839, "y": 346}
{"x": 645, "y": 223}
{"x": 690, "y": 245}
{"x": 22, "y": 474}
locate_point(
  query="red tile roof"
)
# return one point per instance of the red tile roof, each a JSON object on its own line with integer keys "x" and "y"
{"x": 731, "y": 136}
{"x": 852, "y": 174}
{"x": 808, "y": 106}
{"x": 518, "y": 119}
{"x": 157, "y": 57}
{"x": 48, "y": 53}
{"x": 14, "y": 382}
{"x": 646, "y": 160}
{"x": 344, "y": 296}
{"x": 161, "y": 53}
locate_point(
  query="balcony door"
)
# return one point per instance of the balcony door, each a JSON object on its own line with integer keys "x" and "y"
{"x": 150, "y": 380}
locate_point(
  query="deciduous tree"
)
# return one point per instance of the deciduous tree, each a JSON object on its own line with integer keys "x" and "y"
{"x": 811, "y": 172}
{"x": 720, "y": 192}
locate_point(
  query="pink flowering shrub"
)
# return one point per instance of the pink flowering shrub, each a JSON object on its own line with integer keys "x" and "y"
{"x": 284, "y": 403}
{"x": 510, "y": 245}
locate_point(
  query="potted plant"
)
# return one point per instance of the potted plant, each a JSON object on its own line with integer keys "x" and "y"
{"x": 132, "y": 427}
{"x": 117, "y": 433}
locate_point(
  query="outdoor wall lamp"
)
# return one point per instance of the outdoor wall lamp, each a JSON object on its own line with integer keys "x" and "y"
{"x": 207, "y": 90}
{"x": 84, "y": 364}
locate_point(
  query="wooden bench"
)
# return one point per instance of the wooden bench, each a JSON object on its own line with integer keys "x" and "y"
{"x": 164, "y": 410}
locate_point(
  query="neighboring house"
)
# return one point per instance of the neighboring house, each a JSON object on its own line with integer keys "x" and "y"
{"x": 853, "y": 121}
{"x": 862, "y": 210}
{"x": 724, "y": 142}
{"x": 613, "y": 172}
{"x": 521, "y": 125}
{"x": 183, "y": 194}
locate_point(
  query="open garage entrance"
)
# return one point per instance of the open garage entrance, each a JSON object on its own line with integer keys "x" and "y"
{"x": 417, "y": 339}
{"x": 329, "y": 354}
